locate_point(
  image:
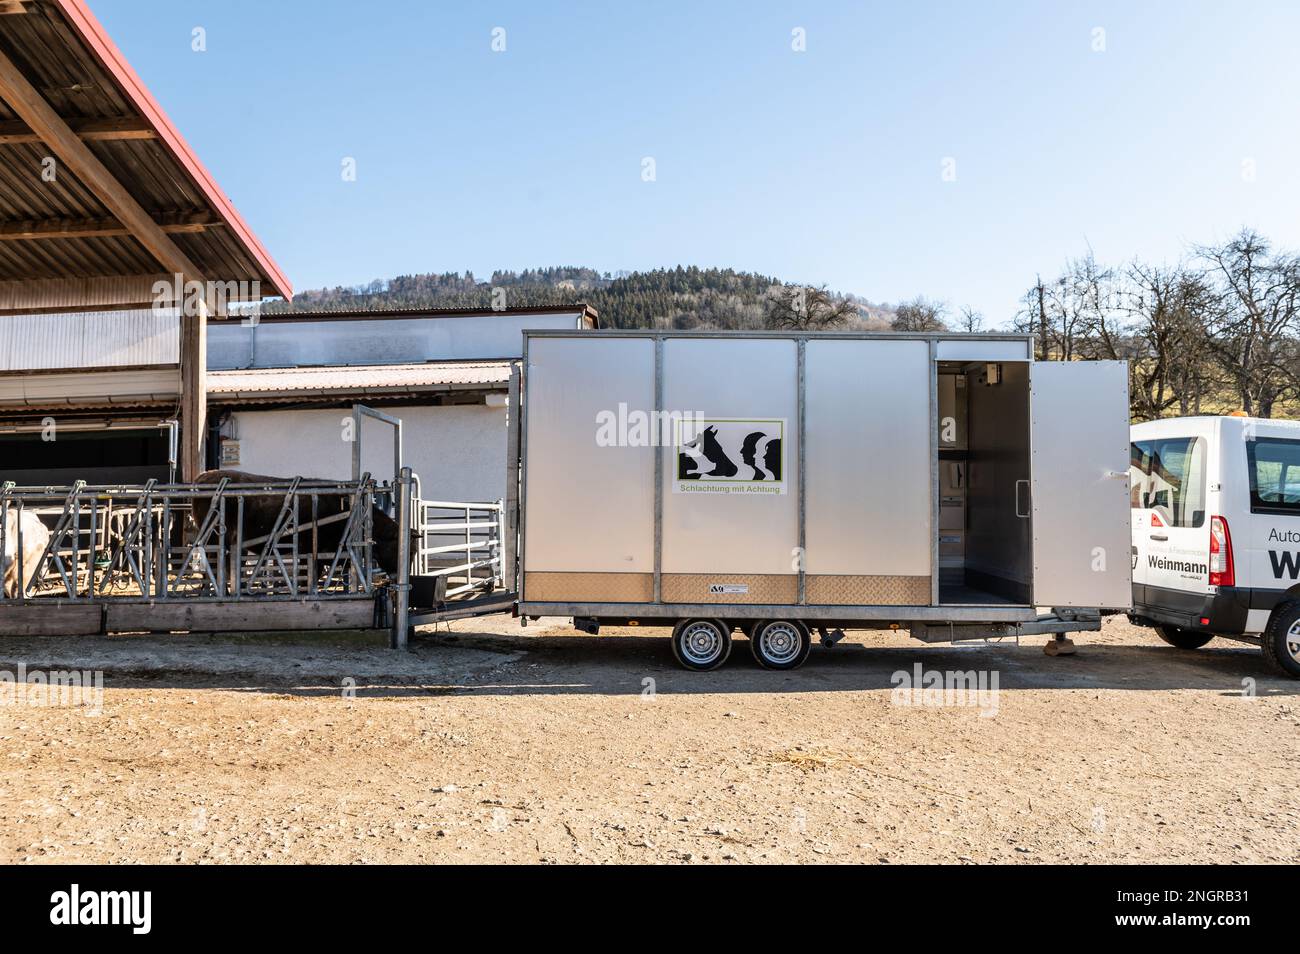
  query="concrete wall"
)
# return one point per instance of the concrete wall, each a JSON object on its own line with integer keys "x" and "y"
{"x": 289, "y": 344}
{"x": 459, "y": 451}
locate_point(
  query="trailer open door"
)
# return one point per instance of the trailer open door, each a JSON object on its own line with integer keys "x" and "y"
{"x": 1078, "y": 491}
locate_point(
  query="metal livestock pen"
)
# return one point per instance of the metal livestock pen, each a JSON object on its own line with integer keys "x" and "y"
{"x": 280, "y": 554}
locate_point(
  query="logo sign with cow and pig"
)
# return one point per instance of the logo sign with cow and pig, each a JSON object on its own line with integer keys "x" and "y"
{"x": 730, "y": 456}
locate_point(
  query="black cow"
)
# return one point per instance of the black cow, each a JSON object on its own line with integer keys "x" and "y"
{"x": 705, "y": 444}
{"x": 260, "y": 511}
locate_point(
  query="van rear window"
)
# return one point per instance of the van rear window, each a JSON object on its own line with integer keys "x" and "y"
{"x": 1274, "y": 465}
{"x": 1168, "y": 476}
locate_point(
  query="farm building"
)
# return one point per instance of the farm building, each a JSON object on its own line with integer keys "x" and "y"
{"x": 280, "y": 390}
{"x": 104, "y": 206}
{"x": 105, "y": 380}
{"x": 277, "y": 393}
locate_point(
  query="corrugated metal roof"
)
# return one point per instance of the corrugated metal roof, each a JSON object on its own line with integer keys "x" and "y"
{"x": 436, "y": 375}
{"x": 64, "y": 52}
{"x": 96, "y": 339}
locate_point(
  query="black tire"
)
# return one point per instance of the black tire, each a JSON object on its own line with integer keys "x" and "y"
{"x": 780, "y": 644}
{"x": 701, "y": 645}
{"x": 1183, "y": 638}
{"x": 1281, "y": 640}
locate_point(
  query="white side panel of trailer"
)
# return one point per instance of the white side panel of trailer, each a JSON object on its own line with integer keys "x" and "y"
{"x": 867, "y": 410}
{"x": 590, "y": 508}
{"x": 748, "y": 531}
{"x": 1080, "y": 489}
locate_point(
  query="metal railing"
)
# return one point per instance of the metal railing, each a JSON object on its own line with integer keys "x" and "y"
{"x": 287, "y": 539}
{"x": 459, "y": 541}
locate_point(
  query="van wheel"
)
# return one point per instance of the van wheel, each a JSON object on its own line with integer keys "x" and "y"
{"x": 1281, "y": 640}
{"x": 1183, "y": 638}
{"x": 781, "y": 644}
{"x": 701, "y": 644}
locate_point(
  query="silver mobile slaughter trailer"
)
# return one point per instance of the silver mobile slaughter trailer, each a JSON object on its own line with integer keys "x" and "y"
{"x": 780, "y": 483}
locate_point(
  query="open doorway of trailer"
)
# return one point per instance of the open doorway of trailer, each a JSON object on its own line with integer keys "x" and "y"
{"x": 984, "y": 546}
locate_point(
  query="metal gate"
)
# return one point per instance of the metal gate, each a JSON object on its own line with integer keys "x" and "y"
{"x": 460, "y": 542}
{"x": 163, "y": 542}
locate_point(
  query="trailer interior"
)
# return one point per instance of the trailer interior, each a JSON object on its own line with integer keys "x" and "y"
{"x": 984, "y": 526}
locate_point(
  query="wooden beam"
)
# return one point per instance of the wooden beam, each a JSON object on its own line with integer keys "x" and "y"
{"x": 49, "y": 618}
{"x": 250, "y": 615}
{"x": 194, "y": 393}
{"x": 65, "y": 228}
{"x": 12, "y": 7}
{"x": 54, "y": 131}
{"x": 53, "y": 619}
{"x": 16, "y": 132}
{"x": 30, "y": 106}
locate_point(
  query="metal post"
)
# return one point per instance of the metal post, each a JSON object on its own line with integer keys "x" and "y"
{"x": 510, "y": 515}
{"x": 499, "y": 576}
{"x": 802, "y": 359}
{"x": 4, "y": 531}
{"x": 934, "y": 472}
{"x": 402, "y": 588}
{"x": 356, "y": 442}
{"x": 173, "y": 429}
{"x": 358, "y": 412}
{"x": 658, "y": 417}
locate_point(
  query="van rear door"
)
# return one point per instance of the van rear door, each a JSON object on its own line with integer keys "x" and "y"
{"x": 1171, "y": 529}
{"x": 1079, "y": 437}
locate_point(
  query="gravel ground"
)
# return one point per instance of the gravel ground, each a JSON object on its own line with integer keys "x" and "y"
{"x": 492, "y": 743}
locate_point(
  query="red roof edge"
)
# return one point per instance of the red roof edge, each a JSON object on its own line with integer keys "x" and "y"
{"x": 97, "y": 41}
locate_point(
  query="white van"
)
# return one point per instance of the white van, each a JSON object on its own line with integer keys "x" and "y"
{"x": 1216, "y": 532}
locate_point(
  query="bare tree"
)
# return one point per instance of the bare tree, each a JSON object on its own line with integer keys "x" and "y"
{"x": 919, "y": 314}
{"x": 1255, "y": 319}
{"x": 1057, "y": 313}
{"x": 1171, "y": 365}
{"x": 798, "y": 308}
{"x": 969, "y": 320}
{"x": 1223, "y": 328}
{"x": 1106, "y": 334}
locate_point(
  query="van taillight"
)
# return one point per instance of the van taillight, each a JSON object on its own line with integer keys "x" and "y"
{"x": 1222, "y": 572}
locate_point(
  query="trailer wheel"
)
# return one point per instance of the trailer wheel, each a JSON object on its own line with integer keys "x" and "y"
{"x": 781, "y": 644}
{"x": 1183, "y": 638}
{"x": 1281, "y": 640}
{"x": 701, "y": 644}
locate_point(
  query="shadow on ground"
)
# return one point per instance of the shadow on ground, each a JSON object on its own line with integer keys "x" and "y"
{"x": 476, "y": 664}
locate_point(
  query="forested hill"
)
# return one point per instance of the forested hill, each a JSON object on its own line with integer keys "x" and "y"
{"x": 681, "y": 297}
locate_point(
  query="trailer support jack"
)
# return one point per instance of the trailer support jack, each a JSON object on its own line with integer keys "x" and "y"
{"x": 1060, "y": 645}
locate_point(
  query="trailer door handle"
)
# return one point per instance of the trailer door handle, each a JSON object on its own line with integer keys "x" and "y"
{"x": 1025, "y": 515}
{"x": 1160, "y": 536}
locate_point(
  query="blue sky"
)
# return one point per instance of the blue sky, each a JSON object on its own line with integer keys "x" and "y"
{"x": 822, "y": 166}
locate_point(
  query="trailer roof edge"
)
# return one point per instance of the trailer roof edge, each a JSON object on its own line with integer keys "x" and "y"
{"x": 786, "y": 335}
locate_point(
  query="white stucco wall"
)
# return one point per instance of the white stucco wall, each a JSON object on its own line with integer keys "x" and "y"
{"x": 458, "y": 451}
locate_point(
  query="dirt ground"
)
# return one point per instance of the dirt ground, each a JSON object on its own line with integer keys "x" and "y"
{"x": 493, "y": 743}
